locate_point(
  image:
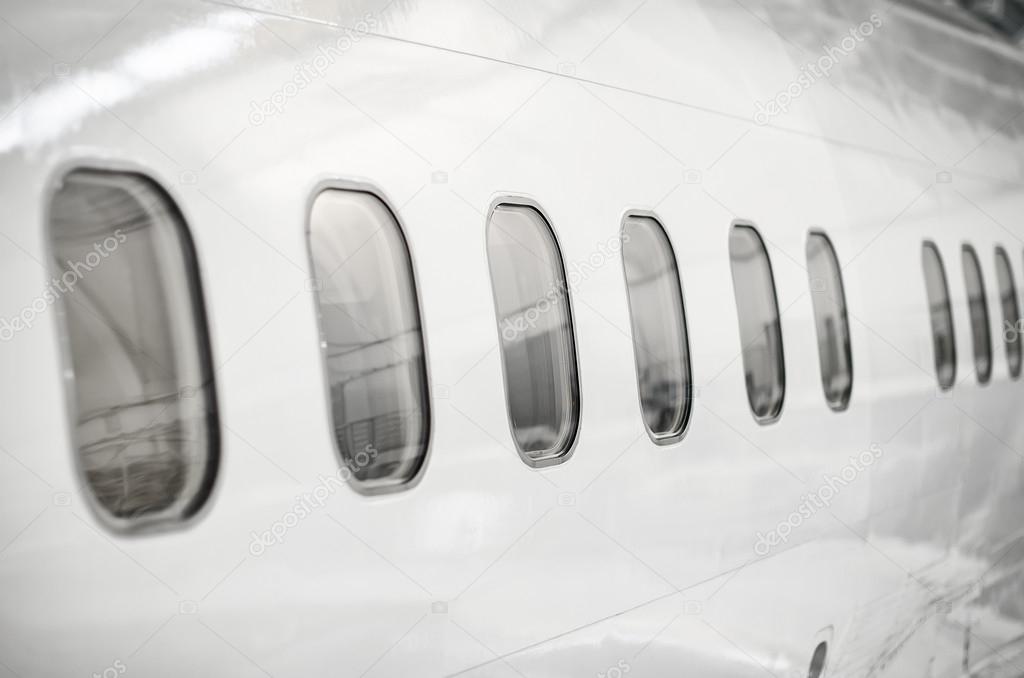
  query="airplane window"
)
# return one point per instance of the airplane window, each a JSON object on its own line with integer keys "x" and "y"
{"x": 143, "y": 407}
{"x": 535, "y": 328}
{"x": 943, "y": 338}
{"x": 659, "y": 327}
{"x": 372, "y": 339}
{"x": 818, "y": 661}
{"x": 978, "y": 307}
{"x": 833, "y": 328}
{"x": 1011, "y": 311}
{"x": 760, "y": 329}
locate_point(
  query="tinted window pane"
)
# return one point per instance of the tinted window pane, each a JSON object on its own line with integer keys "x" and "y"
{"x": 760, "y": 330}
{"x": 659, "y": 327}
{"x": 534, "y": 322}
{"x": 144, "y": 411}
{"x": 1011, "y": 311}
{"x": 978, "y": 307}
{"x": 943, "y": 340}
{"x": 372, "y": 340}
{"x": 818, "y": 661}
{"x": 829, "y": 302}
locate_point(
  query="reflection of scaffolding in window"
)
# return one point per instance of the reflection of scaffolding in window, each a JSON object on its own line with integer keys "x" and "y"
{"x": 763, "y": 357}
{"x": 536, "y": 398}
{"x": 133, "y": 455}
{"x": 528, "y": 315}
{"x": 836, "y": 372}
{"x": 661, "y": 395}
{"x": 375, "y": 446}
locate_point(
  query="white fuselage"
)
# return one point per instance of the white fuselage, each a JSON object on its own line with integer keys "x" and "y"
{"x": 629, "y": 557}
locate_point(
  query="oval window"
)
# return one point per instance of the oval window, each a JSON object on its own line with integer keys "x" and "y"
{"x": 538, "y": 348}
{"x": 1010, "y": 304}
{"x": 143, "y": 405}
{"x": 818, "y": 661}
{"x": 977, "y": 305}
{"x": 760, "y": 330}
{"x": 833, "y": 328}
{"x": 941, "y": 314}
{"x": 659, "y": 327}
{"x": 371, "y": 338}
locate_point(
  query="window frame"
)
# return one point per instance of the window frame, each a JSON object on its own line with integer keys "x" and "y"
{"x": 688, "y": 388}
{"x": 207, "y": 491}
{"x": 576, "y": 409}
{"x": 844, "y": 403}
{"x": 1002, "y": 255}
{"x": 350, "y": 185}
{"x": 931, "y": 245}
{"x": 777, "y": 414}
{"x": 968, "y": 251}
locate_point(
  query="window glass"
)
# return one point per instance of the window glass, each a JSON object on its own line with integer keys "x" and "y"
{"x": 372, "y": 339}
{"x": 1011, "y": 311}
{"x": 830, "y": 319}
{"x": 943, "y": 339}
{"x": 978, "y": 308}
{"x": 659, "y": 327}
{"x": 818, "y": 661}
{"x": 760, "y": 329}
{"x": 535, "y": 327}
{"x": 143, "y": 408}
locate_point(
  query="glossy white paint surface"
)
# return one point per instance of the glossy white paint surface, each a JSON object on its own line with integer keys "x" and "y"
{"x": 629, "y": 552}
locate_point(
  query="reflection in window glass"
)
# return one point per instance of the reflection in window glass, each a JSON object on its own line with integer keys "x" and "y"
{"x": 535, "y": 325}
{"x": 943, "y": 340}
{"x": 818, "y": 661}
{"x": 978, "y": 307}
{"x": 760, "y": 330}
{"x": 1011, "y": 311}
{"x": 829, "y": 302}
{"x": 372, "y": 339}
{"x": 144, "y": 413}
{"x": 659, "y": 327}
